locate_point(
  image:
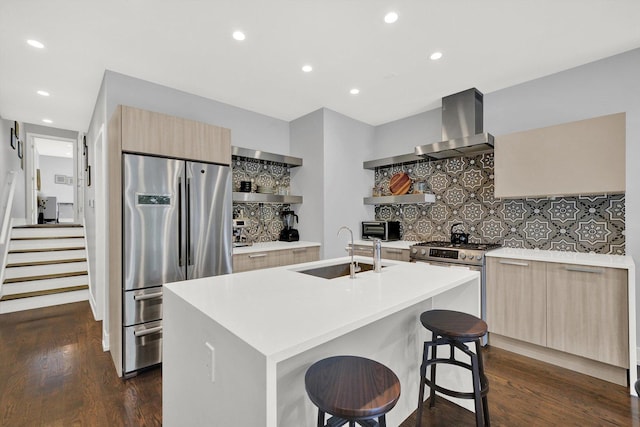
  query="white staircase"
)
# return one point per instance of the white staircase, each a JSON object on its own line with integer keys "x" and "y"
{"x": 46, "y": 265}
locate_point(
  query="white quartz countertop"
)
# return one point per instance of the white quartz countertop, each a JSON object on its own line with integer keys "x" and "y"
{"x": 281, "y": 312}
{"x": 595, "y": 260}
{"x": 272, "y": 246}
{"x": 396, "y": 244}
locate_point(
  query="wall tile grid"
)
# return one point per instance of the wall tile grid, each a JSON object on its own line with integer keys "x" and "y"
{"x": 464, "y": 190}
{"x": 264, "y": 220}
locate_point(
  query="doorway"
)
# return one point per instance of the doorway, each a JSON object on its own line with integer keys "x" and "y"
{"x": 52, "y": 188}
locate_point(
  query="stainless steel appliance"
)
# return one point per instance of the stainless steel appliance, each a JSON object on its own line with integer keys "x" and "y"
{"x": 288, "y": 233}
{"x": 177, "y": 226}
{"x": 383, "y": 230}
{"x": 466, "y": 255}
{"x": 462, "y": 128}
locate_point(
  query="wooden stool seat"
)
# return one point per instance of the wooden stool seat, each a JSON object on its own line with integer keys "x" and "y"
{"x": 454, "y": 329}
{"x": 453, "y": 324}
{"x": 352, "y": 389}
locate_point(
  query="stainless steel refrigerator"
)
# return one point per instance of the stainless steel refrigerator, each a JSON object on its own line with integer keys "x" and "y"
{"x": 177, "y": 225}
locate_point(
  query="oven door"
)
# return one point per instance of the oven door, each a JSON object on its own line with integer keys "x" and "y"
{"x": 452, "y": 265}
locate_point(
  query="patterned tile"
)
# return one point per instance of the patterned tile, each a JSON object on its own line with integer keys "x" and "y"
{"x": 464, "y": 190}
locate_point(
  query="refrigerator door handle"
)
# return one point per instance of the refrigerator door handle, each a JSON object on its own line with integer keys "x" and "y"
{"x": 180, "y": 254}
{"x": 189, "y": 251}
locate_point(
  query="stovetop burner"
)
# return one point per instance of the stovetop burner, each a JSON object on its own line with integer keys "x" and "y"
{"x": 474, "y": 246}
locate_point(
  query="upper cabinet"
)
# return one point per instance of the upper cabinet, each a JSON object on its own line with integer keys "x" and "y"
{"x": 577, "y": 158}
{"x": 148, "y": 132}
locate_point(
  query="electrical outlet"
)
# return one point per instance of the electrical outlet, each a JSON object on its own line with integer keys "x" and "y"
{"x": 211, "y": 361}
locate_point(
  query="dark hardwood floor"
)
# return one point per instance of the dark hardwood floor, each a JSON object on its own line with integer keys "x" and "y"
{"x": 53, "y": 372}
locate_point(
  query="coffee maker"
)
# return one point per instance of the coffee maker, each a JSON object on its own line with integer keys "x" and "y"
{"x": 288, "y": 233}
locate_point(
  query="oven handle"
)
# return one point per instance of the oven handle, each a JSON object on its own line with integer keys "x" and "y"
{"x": 452, "y": 265}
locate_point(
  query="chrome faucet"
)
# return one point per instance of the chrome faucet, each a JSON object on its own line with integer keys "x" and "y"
{"x": 352, "y": 267}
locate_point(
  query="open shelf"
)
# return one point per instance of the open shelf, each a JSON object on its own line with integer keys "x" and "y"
{"x": 240, "y": 197}
{"x": 400, "y": 200}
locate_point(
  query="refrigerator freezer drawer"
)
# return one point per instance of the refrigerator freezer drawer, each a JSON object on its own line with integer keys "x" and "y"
{"x": 144, "y": 305}
{"x": 143, "y": 346}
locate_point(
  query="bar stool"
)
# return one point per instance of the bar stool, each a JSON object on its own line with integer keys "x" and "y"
{"x": 352, "y": 390}
{"x": 454, "y": 329}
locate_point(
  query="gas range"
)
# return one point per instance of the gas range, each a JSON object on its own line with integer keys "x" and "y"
{"x": 440, "y": 251}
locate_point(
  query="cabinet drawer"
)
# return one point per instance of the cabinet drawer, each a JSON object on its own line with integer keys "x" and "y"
{"x": 301, "y": 255}
{"x": 395, "y": 254}
{"x": 254, "y": 261}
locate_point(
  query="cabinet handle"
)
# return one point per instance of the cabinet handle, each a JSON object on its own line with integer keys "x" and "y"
{"x": 257, "y": 255}
{"x": 393, "y": 251}
{"x": 521, "y": 264}
{"x": 585, "y": 270}
{"x": 147, "y": 331}
{"x": 299, "y": 251}
{"x": 147, "y": 296}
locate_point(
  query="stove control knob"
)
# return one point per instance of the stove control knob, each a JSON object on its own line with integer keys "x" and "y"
{"x": 423, "y": 252}
{"x": 478, "y": 257}
{"x": 414, "y": 251}
{"x": 463, "y": 255}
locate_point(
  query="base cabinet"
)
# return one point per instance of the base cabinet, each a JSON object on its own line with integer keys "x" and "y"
{"x": 587, "y": 312}
{"x": 517, "y": 299}
{"x": 395, "y": 254}
{"x": 277, "y": 258}
{"x": 576, "y": 309}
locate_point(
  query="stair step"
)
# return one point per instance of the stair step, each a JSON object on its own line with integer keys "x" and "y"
{"x": 34, "y": 257}
{"x": 48, "y": 226}
{"x": 44, "y": 284}
{"x": 43, "y": 292}
{"x": 46, "y": 232}
{"x": 57, "y": 298}
{"x": 41, "y": 272}
{"x": 34, "y": 251}
{"x": 48, "y": 244}
{"x": 50, "y": 262}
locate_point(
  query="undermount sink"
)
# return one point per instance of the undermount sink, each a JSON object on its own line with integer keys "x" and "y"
{"x": 337, "y": 270}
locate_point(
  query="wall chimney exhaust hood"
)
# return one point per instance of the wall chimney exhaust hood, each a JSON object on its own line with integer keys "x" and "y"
{"x": 462, "y": 128}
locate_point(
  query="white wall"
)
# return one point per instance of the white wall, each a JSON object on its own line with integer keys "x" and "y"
{"x": 51, "y": 166}
{"x": 603, "y": 87}
{"x": 9, "y": 161}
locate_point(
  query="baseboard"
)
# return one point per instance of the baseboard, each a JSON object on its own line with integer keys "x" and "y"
{"x": 105, "y": 340}
{"x": 579, "y": 364}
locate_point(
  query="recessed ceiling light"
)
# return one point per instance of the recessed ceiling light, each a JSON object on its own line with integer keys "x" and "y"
{"x": 47, "y": 121}
{"x": 307, "y": 68}
{"x": 35, "y": 43}
{"x": 239, "y": 35}
{"x": 354, "y": 91}
{"x": 390, "y": 17}
{"x": 68, "y": 153}
{"x": 435, "y": 56}
{"x": 43, "y": 93}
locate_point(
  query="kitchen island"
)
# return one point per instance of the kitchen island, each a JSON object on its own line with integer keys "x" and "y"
{"x": 236, "y": 347}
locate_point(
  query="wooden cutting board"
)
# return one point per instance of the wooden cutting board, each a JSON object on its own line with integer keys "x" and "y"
{"x": 399, "y": 184}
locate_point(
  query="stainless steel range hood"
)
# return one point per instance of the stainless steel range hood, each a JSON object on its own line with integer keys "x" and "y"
{"x": 462, "y": 128}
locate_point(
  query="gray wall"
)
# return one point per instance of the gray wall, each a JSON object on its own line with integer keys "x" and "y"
{"x": 248, "y": 129}
{"x": 603, "y": 87}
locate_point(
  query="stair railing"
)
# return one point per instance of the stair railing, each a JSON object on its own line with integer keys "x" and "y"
{"x": 9, "y": 190}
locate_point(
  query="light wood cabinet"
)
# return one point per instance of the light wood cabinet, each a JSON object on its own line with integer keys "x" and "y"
{"x": 577, "y": 158}
{"x": 396, "y": 254}
{"x": 149, "y": 132}
{"x": 517, "y": 299}
{"x": 276, "y": 258}
{"x": 587, "y": 312}
{"x": 575, "y": 309}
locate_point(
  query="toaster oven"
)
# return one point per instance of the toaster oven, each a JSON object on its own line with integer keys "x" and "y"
{"x": 383, "y": 230}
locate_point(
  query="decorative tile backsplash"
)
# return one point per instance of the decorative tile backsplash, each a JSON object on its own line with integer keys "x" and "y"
{"x": 464, "y": 186}
{"x": 264, "y": 220}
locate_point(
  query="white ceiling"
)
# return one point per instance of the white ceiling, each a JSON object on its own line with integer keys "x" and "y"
{"x": 187, "y": 44}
